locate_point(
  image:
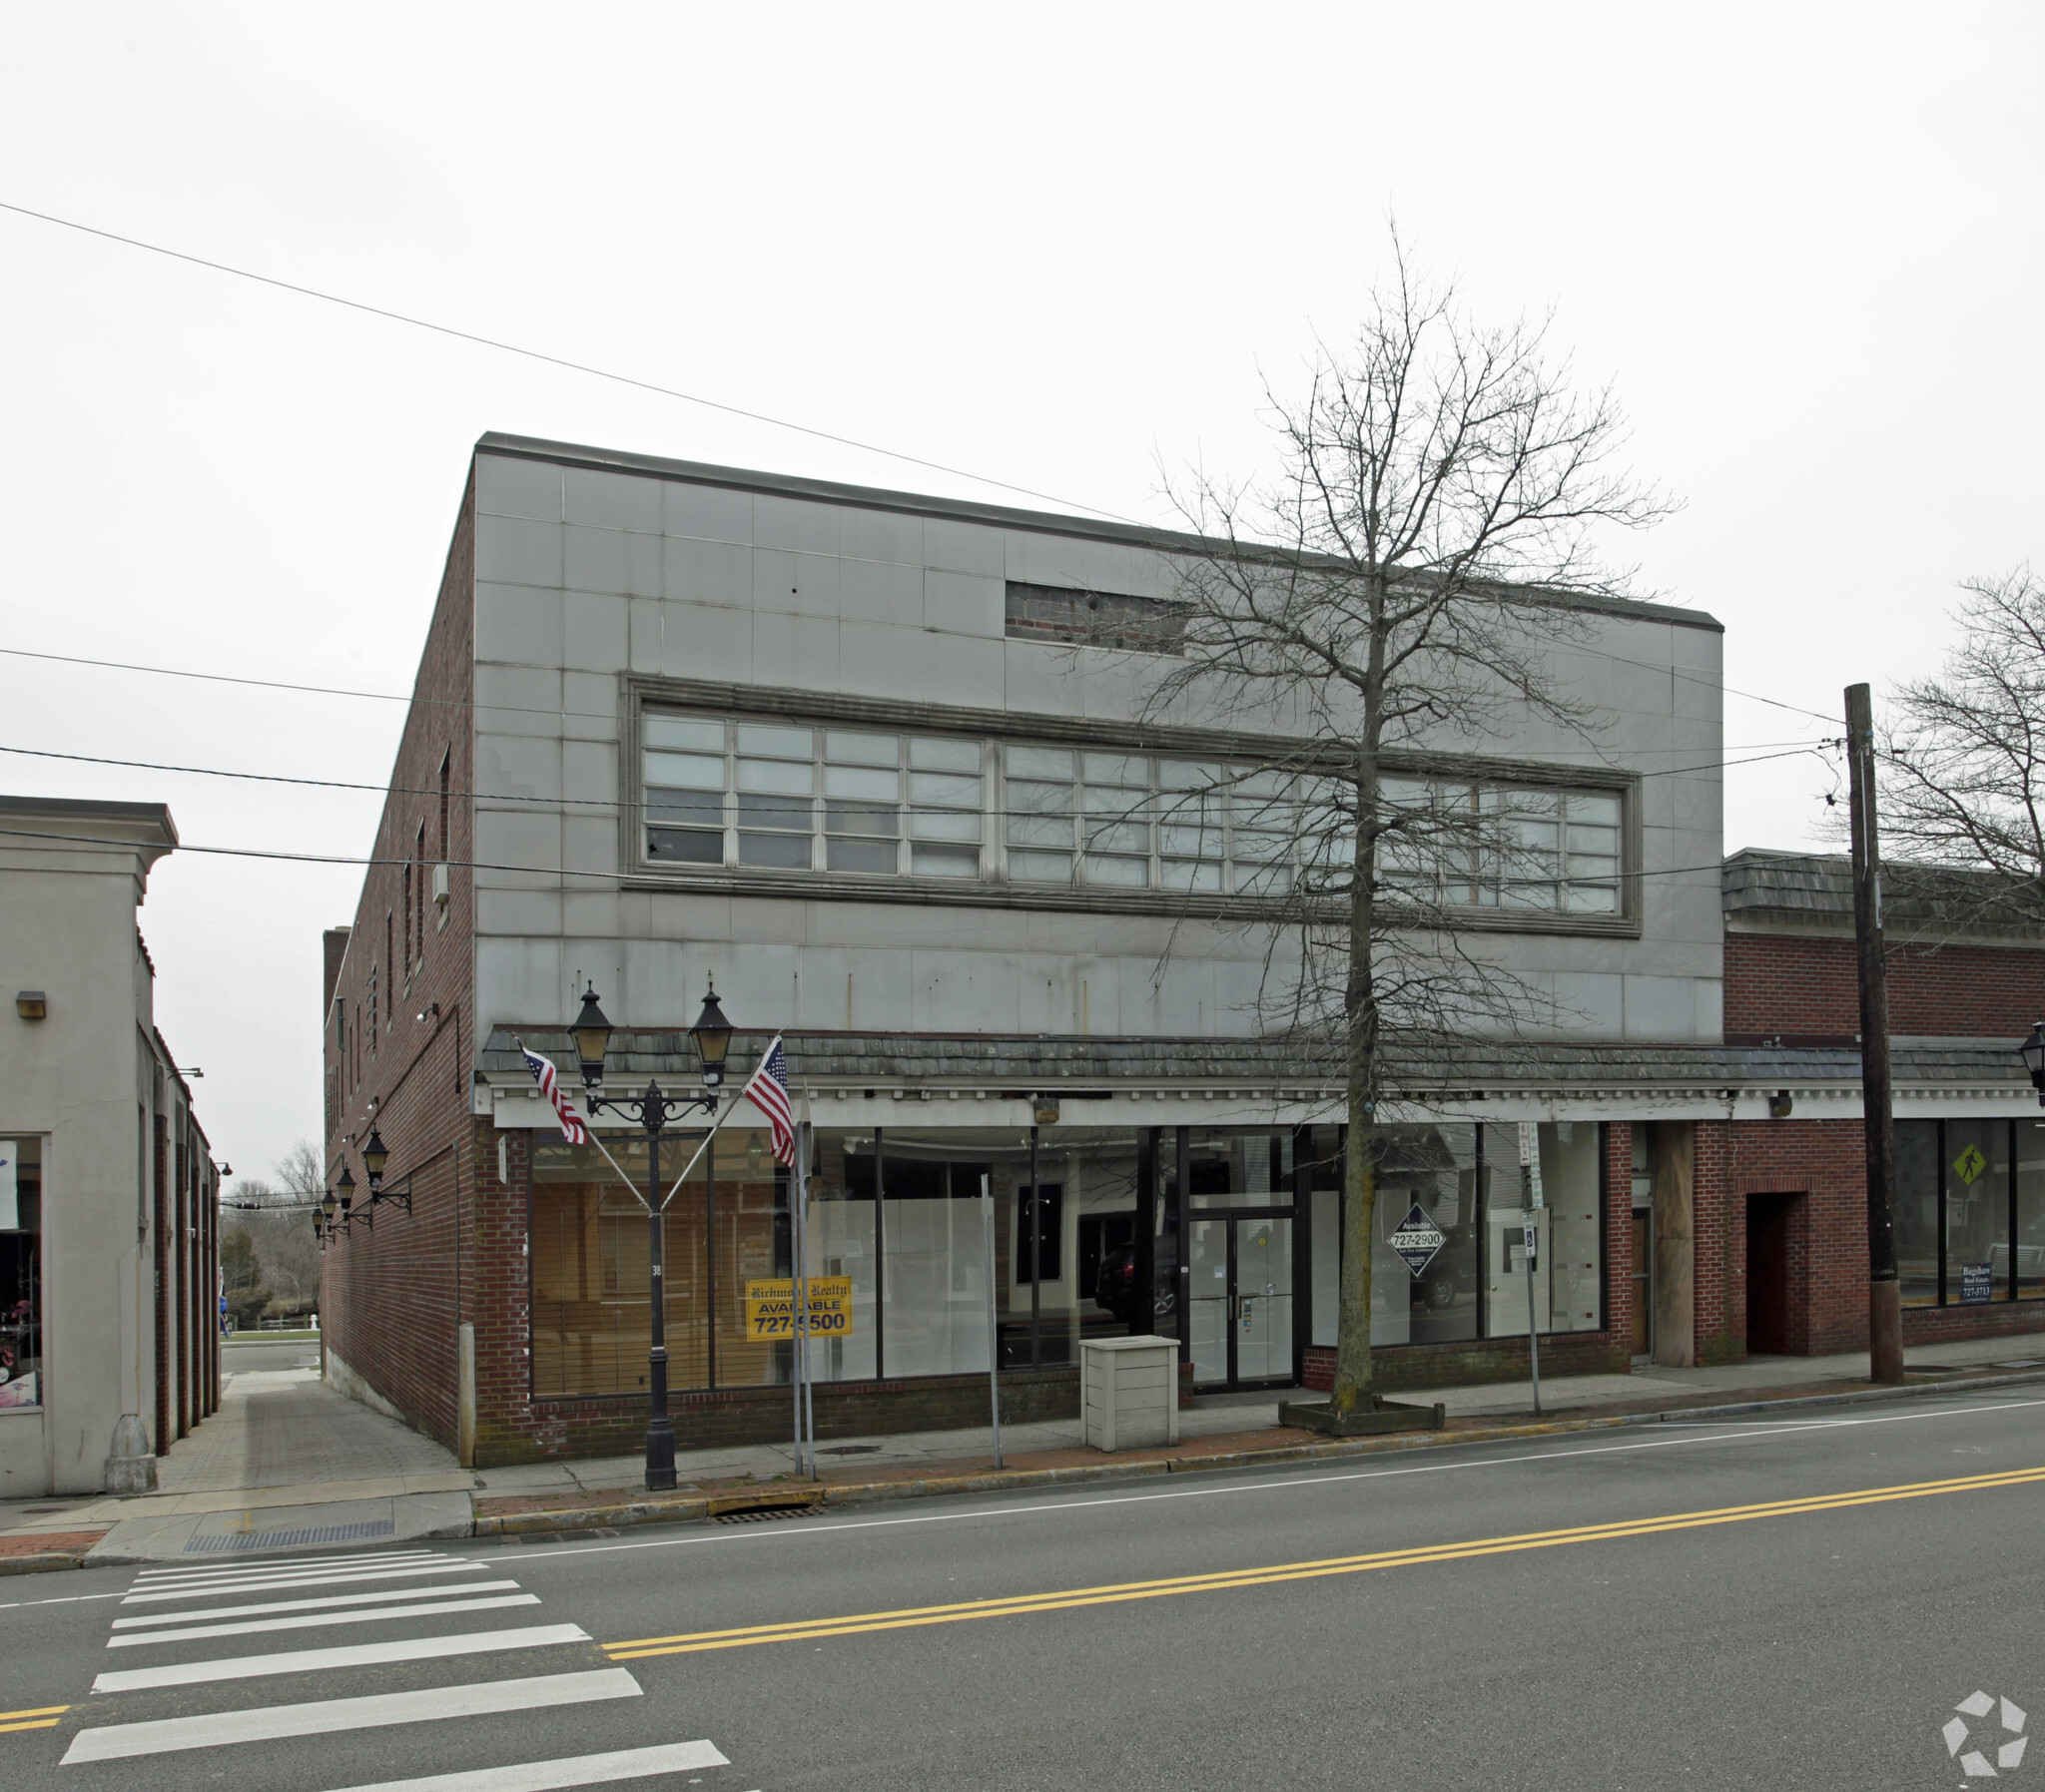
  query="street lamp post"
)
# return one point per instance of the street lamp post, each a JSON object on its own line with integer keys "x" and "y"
{"x": 711, "y": 1037}
{"x": 2032, "y": 1051}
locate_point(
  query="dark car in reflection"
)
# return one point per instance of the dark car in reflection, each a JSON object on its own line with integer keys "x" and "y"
{"x": 1117, "y": 1290}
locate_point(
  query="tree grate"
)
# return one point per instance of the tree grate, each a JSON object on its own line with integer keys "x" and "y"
{"x": 290, "y": 1540}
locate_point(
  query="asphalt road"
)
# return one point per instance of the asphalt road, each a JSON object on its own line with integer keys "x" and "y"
{"x": 249, "y": 1357}
{"x": 1553, "y": 1615}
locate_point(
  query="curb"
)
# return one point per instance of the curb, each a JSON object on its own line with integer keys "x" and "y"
{"x": 701, "y": 1508}
{"x": 998, "y": 1481}
{"x": 1857, "y": 1397}
{"x": 41, "y": 1563}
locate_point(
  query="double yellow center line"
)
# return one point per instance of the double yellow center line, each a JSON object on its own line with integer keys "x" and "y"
{"x": 43, "y": 1717}
{"x": 808, "y": 1629}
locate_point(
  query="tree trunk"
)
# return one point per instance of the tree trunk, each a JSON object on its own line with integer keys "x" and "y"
{"x": 1355, "y": 1370}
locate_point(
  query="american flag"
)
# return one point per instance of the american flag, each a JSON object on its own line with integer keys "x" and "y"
{"x": 768, "y": 1091}
{"x": 572, "y": 1128}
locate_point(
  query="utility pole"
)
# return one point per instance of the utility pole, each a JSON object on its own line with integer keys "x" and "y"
{"x": 1884, "y": 1293}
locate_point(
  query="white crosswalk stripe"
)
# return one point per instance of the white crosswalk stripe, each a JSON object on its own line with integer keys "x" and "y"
{"x": 298, "y": 1661}
{"x": 200, "y": 1604}
{"x": 307, "y": 1621}
{"x": 382, "y": 1595}
{"x": 119, "y": 1741}
{"x": 577, "y": 1770}
{"x": 148, "y": 1595}
{"x": 297, "y": 1565}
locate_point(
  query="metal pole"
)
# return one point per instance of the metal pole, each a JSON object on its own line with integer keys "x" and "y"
{"x": 1885, "y": 1291}
{"x": 795, "y": 1333}
{"x": 660, "y": 1430}
{"x": 1527, "y": 1232}
{"x": 710, "y": 1261}
{"x": 802, "y": 1161}
{"x": 994, "y": 1324}
{"x": 1035, "y": 1257}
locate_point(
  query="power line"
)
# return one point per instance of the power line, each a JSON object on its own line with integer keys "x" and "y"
{"x": 1790, "y": 749}
{"x": 689, "y": 399}
{"x": 541, "y": 870}
{"x": 554, "y": 361}
{"x": 514, "y": 709}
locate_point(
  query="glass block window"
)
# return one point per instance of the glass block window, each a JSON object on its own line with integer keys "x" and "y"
{"x": 862, "y": 802}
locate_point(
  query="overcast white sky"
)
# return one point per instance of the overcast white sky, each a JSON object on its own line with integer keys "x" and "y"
{"x": 1054, "y": 245}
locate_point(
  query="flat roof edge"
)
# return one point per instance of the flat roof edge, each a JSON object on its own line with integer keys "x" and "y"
{"x": 874, "y": 497}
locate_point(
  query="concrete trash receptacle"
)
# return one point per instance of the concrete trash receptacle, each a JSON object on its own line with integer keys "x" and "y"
{"x": 1128, "y": 1392}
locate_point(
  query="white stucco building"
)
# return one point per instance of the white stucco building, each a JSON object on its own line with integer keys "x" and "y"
{"x": 108, "y": 1243}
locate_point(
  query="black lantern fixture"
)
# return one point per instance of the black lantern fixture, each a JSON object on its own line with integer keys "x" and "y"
{"x": 592, "y": 1031}
{"x": 327, "y": 1206}
{"x": 711, "y": 1036}
{"x": 345, "y": 1188}
{"x": 374, "y": 1157}
{"x": 2032, "y": 1051}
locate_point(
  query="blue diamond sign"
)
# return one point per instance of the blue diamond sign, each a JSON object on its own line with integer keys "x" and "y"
{"x": 1417, "y": 1239}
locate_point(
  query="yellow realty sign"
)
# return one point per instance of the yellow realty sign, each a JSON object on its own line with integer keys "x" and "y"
{"x": 770, "y": 1308}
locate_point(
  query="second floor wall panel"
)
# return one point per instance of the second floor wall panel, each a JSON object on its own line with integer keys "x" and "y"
{"x": 598, "y": 588}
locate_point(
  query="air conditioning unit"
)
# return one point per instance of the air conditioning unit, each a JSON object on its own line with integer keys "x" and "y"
{"x": 440, "y": 885}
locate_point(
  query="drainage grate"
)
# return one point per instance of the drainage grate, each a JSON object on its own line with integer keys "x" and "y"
{"x": 850, "y": 1449}
{"x": 290, "y": 1540}
{"x": 760, "y": 1514}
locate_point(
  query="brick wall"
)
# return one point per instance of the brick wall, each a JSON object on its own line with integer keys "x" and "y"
{"x": 1805, "y": 989}
{"x": 1820, "y": 1164}
{"x": 394, "y": 1292}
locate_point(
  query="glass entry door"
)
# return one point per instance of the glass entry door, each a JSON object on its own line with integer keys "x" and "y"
{"x": 1242, "y": 1301}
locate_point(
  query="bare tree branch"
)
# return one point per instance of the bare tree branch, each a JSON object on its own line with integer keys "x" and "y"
{"x": 1398, "y": 588}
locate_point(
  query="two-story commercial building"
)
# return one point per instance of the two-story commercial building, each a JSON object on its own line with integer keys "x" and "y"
{"x": 879, "y": 765}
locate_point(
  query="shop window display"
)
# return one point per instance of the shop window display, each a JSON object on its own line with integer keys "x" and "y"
{"x": 1976, "y": 1162}
{"x": 1917, "y": 1185}
{"x": 21, "y": 1272}
{"x": 2030, "y": 1187}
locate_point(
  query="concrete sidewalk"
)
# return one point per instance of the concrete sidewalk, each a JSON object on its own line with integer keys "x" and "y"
{"x": 285, "y": 1462}
{"x": 288, "y": 1463}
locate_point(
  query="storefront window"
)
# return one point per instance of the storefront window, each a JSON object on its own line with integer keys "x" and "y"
{"x": 843, "y": 1241}
{"x": 931, "y": 1267}
{"x": 2030, "y": 1177}
{"x": 1426, "y": 1178}
{"x": 21, "y": 1272}
{"x": 1323, "y": 1145}
{"x": 1977, "y": 1187}
{"x": 589, "y": 1246}
{"x": 937, "y": 1270}
{"x": 1568, "y": 1241}
{"x": 1917, "y": 1211}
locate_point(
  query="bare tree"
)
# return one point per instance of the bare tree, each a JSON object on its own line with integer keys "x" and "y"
{"x": 283, "y": 1271}
{"x": 1386, "y": 604}
{"x": 1964, "y": 790}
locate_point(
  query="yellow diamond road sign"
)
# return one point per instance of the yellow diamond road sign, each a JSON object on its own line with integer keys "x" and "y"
{"x": 1969, "y": 1164}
